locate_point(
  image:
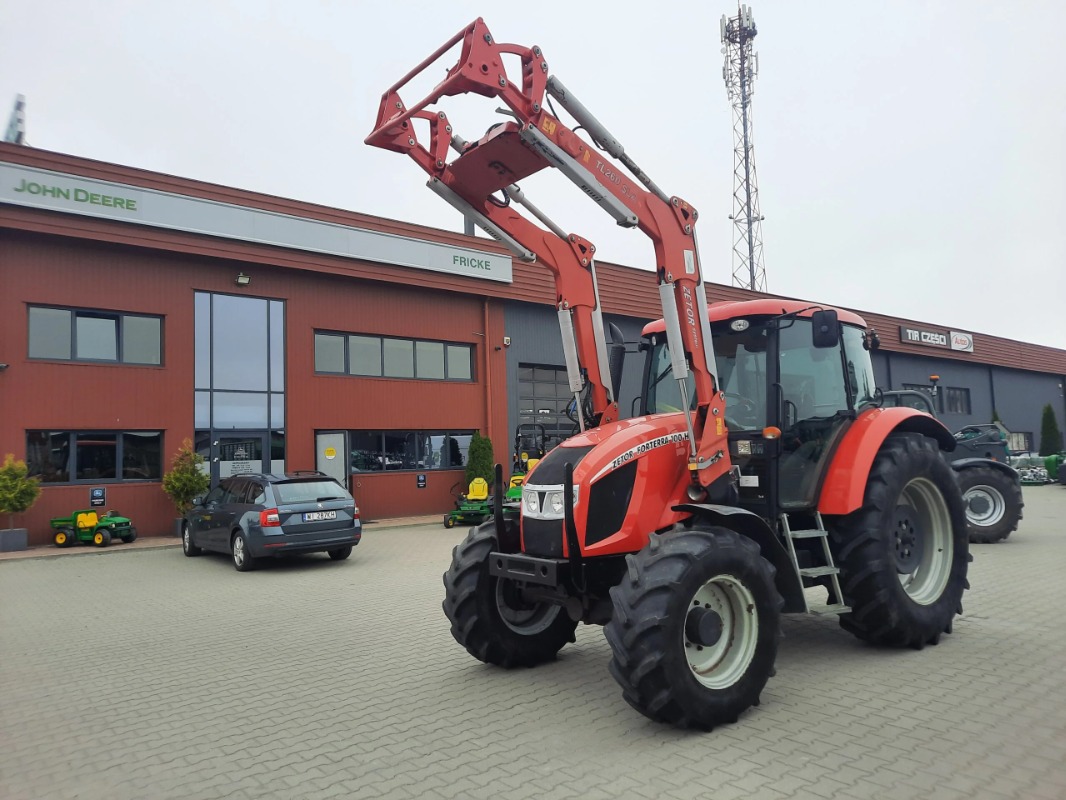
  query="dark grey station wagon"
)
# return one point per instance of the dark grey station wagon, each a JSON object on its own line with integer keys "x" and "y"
{"x": 252, "y": 517}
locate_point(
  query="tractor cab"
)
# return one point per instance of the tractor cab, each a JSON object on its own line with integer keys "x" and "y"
{"x": 793, "y": 379}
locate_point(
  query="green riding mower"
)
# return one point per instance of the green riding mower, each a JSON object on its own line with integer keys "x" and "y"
{"x": 471, "y": 508}
{"x": 89, "y": 527}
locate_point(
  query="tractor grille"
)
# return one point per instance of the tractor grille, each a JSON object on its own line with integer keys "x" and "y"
{"x": 542, "y": 537}
{"x": 608, "y": 503}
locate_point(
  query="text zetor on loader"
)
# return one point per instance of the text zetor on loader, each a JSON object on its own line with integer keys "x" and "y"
{"x": 759, "y": 468}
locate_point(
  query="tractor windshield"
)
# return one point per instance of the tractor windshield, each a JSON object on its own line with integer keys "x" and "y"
{"x": 742, "y": 375}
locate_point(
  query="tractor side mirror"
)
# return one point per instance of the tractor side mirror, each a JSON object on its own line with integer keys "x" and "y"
{"x": 825, "y": 329}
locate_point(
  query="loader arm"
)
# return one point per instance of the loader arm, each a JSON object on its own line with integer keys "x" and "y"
{"x": 535, "y": 140}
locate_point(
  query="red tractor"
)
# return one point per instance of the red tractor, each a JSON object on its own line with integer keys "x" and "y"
{"x": 762, "y": 465}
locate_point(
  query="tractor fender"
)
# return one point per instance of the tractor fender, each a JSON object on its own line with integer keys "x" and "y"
{"x": 754, "y": 527}
{"x": 1006, "y": 469}
{"x": 845, "y": 481}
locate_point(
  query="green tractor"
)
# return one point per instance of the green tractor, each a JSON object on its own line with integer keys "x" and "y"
{"x": 530, "y": 445}
{"x": 87, "y": 526}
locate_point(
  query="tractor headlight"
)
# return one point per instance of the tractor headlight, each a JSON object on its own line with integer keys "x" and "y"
{"x": 545, "y": 502}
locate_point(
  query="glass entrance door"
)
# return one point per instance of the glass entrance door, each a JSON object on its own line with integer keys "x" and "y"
{"x": 239, "y": 453}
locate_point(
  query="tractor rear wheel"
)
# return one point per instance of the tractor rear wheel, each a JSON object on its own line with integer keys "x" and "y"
{"x": 993, "y": 503}
{"x": 695, "y": 627}
{"x": 903, "y": 555}
{"x": 489, "y": 616}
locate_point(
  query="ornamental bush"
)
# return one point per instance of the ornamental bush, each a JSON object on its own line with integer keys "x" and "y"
{"x": 18, "y": 491}
{"x": 185, "y": 479}
{"x": 1050, "y": 436}
{"x": 479, "y": 460}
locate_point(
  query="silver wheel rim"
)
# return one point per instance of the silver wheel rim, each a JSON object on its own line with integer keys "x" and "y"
{"x": 985, "y": 505}
{"x": 238, "y": 551}
{"x": 722, "y": 664}
{"x": 186, "y": 539}
{"x": 527, "y": 621}
{"x": 927, "y": 582}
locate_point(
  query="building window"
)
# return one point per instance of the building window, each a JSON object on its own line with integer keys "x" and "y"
{"x": 94, "y": 456}
{"x": 388, "y": 451}
{"x": 938, "y": 399}
{"x": 69, "y": 334}
{"x": 956, "y": 400}
{"x": 387, "y": 357}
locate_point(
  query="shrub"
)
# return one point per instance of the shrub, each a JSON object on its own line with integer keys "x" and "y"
{"x": 18, "y": 491}
{"x": 1050, "y": 436}
{"x": 479, "y": 460}
{"x": 185, "y": 479}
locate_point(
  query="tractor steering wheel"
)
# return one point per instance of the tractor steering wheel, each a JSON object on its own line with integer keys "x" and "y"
{"x": 740, "y": 411}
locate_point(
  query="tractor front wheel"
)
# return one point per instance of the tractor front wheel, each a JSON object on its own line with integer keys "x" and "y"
{"x": 993, "y": 503}
{"x": 903, "y": 555}
{"x": 695, "y": 627}
{"x": 101, "y": 538}
{"x": 489, "y": 615}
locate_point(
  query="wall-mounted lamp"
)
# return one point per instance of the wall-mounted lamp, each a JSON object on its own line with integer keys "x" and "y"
{"x": 242, "y": 279}
{"x": 4, "y": 366}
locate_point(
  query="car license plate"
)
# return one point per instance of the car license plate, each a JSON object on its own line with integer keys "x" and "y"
{"x": 315, "y": 516}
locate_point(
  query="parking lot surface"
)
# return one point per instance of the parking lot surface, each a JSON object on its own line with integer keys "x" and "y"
{"x": 145, "y": 674}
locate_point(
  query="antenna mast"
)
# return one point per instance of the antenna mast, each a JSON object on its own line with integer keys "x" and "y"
{"x": 739, "y": 71}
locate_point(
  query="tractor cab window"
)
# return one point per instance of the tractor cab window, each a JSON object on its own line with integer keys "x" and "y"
{"x": 860, "y": 368}
{"x": 742, "y": 374}
{"x": 812, "y": 381}
{"x": 663, "y": 393}
{"x": 815, "y": 408}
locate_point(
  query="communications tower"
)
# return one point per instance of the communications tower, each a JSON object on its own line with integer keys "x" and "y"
{"x": 739, "y": 72}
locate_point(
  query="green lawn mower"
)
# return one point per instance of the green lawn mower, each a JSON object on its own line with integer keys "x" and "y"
{"x": 471, "y": 508}
{"x": 88, "y": 527}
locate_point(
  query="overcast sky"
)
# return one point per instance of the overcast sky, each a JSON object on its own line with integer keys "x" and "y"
{"x": 911, "y": 155}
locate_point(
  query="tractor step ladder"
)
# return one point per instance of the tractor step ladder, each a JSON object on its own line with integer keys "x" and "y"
{"x": 830, "y": 569}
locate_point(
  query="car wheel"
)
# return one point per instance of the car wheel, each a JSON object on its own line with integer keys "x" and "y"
{"x": 187, "y": 545}
{"x": 242, "y": 556}
{"x": 340, "y": 553}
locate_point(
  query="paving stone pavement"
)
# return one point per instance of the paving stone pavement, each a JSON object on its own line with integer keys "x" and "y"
{"x": 143, "y": 674}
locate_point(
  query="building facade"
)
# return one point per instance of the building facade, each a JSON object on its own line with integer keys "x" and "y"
{"x": 138, "y": 310}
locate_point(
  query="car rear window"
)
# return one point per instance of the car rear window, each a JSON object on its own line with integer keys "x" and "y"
{"x": 309, "y": 491}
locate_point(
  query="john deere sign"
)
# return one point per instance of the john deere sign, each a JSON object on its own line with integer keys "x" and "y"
{"x": 72, "y": 194}
{"x": 77, "y": 195}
